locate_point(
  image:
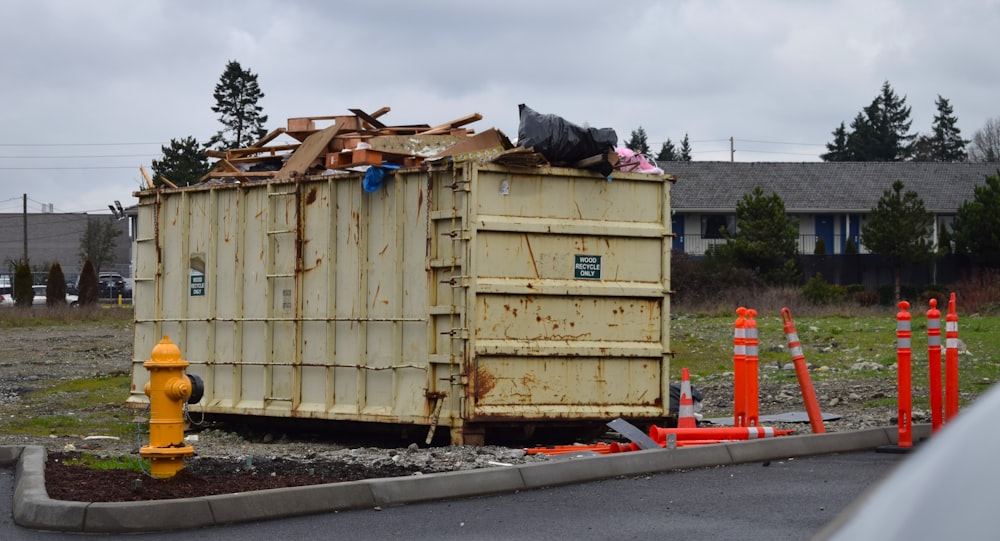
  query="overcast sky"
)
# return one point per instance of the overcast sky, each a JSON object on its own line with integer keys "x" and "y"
{"x": 89, "y": 91}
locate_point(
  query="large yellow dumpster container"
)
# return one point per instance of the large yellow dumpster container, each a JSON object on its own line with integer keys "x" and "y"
{"x": 472, "y": 297}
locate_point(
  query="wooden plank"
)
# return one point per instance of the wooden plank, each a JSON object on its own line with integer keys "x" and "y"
{"x": 308, "y": 152}
{"x": 448, "y": 126}
{"x": 370, "y": 119}
{"x": 145, "y": 175}
{"x": 269, "y": 137}
{"x": 249, "y": 152}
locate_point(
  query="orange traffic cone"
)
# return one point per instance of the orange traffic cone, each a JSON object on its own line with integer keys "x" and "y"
{"x": 685, "y": 411}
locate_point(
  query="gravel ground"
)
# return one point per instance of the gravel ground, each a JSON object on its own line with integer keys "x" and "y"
{"x": 29, "y": 357}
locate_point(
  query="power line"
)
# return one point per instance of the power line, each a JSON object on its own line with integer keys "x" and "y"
{"x": 79, "y": 156}
{"x": 67, "y": 168}
{"x": 77, "y": 144}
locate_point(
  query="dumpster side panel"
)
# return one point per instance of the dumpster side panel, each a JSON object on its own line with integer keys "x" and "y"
{"x": 570, "y": 282}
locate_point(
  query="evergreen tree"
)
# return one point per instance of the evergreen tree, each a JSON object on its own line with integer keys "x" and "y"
{"x": 638, "y": 141}
{"x": 837, "y": 150}
{"x": 184, "y": 163}
{"x": 236, "y": 98}
{"x": 976, "y": 227}
{"x": 685, "y": 152}
{"x": 24, "y": 293}
{"x": 880, "y": 133}
{"x": 88, "y": 293}
{"x": 900, "y": 229}
{"x": 766, "y": 240}
{"x": 945, "y": 143}
{"x": 55, "y": 286}
{"x": 667, "y": 152}
{"x": 893, "y": 126}
{"x": 862, "y": 140}
{"x": 985, "y": 146}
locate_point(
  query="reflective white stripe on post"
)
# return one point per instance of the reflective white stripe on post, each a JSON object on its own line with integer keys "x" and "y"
{"x": 903, "y": 343}
{"x": 797, "y": 352}
{"x": 951, "y": 326}
{"x": 934, "y": 340}
{"x": 951, "y": 343}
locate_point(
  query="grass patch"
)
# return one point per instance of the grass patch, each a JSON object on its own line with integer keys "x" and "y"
{"x": 102, "y": 462}
{"x": 703, "y": 343}
{"x": 82, "y": 407}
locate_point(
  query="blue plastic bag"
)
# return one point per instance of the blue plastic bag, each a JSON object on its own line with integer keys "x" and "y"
{"x": 374, "y": 177}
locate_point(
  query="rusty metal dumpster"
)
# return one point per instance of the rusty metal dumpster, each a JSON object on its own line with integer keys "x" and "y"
{"x": 462, "y": 296}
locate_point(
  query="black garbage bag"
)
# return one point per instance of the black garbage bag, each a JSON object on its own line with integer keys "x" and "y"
{"x": 559, "y": 140}
{"x": 675, "y": 397}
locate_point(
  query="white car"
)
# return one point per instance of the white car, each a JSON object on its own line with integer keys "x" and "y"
{"x": 39, "y": 299}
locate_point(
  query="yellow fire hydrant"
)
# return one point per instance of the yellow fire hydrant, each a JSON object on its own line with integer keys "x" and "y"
{"x": 168, "y": 388}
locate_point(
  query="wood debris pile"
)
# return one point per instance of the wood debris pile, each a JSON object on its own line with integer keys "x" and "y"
{"x": 357, "y": 140}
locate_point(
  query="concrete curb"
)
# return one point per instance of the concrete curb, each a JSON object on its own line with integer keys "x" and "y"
{"x": 34, "y": 509}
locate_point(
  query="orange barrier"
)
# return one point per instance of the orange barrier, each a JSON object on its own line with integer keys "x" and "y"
{"x": 599, "y": 448}
{"x": 627, "y": 447}
{"x": 934, "y": 362}
{"x": 735, "y": 433}
{"x": 802, "y": 371}
{"x": 739, "y": 368}
{"x": 752, "y": 385}
{"x": 951, "y": 362}
{"x": 903, "y": 358}
{"x": 685, "y": 409}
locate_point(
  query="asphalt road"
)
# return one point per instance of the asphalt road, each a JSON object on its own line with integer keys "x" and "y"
{"x": 781, "y": 499}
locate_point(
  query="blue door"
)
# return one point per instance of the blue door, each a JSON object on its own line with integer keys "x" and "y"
{"x": 677, "y": 226}
{"x": 824, "y": 230}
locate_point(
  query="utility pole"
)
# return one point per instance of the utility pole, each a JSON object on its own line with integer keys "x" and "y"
{"x": 24, "y": 214}
{"x": 732, "y": 151}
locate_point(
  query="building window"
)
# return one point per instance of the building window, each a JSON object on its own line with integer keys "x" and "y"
{"x": 713, "y": 224}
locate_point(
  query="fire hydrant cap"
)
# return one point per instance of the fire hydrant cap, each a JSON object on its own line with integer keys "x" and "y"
{"x": 165, "y": 353}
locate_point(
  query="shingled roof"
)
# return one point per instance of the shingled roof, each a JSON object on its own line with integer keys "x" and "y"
{"x": 823, "y": 186}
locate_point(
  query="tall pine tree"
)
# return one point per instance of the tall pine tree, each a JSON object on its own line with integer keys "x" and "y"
{"x": 685, "y": 151}
{"x": 945, "y": 143}
{"x": 880, "y": 133}
{"x": 236, "y": 98}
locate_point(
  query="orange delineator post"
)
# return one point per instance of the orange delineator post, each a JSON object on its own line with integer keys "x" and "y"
{"x": 802, "y": 371}
{"x": 934, "y": 362}
{"x": 903, "y": 357}
{"x": 951, "y": 362}
{"x": 739, "y": 368}
{"x": 752, "y": 384}
{"x": 685, "y": 408}
{"x": 716, "y": 433}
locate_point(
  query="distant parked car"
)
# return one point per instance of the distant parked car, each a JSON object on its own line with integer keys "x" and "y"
{"x": 112, "y": 284}
{"x": 39, "y": 299}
